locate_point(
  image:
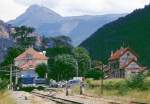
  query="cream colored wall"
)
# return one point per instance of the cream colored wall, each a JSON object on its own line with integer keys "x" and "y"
{"x": 125, "y": 58}
{"x": 40, "y": 61}
{"x": 133, "y": 66}
{"x": 21, "y": 62}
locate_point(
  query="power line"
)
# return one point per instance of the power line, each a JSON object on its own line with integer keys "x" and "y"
{"x": 10, "y": 73}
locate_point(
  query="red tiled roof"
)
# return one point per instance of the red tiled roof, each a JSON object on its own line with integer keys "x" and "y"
{"x": 28, "y": 65}
{"x": 121, "y": 52}
{"x": 31, "y": 51}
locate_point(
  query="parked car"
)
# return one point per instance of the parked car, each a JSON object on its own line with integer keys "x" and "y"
{"x": 60, "y": 84}
{"x": 73, "y": 82}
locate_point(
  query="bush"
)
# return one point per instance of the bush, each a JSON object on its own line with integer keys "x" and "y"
{"x": 27, "y": 89}
{"x": 136, "y": 81}
{"x": 114, "y": 84}
{"x": 30, "y": 89}
{"x": 95, "y": 74}
{"x": 3, "y": 84}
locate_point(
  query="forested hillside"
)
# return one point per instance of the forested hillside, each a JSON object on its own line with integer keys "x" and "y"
{"x": 132, "y": 31}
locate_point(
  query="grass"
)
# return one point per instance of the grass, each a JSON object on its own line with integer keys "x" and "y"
{"x": 75, "y": 90}
{"x": 6, "y": 98}
{"x": 112, "y": 90}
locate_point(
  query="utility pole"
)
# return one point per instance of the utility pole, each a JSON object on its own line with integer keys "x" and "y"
{"x": 77, "y": 69}
{"x": 10, "y": 77}
{"x": 102, "y": 59}
{"x": 102, "y": 80}
{"x": 16, "y": 75}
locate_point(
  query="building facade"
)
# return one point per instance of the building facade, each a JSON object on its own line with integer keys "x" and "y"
{"x": 27, "y": 63}
{"x": 123, "y": 63}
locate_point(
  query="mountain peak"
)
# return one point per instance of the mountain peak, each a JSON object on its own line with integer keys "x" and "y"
{"x": 36, "y": 15}
{"x": 38, "y": 8}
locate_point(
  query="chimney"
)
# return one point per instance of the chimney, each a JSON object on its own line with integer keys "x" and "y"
{"x": 112, "y": 53}
{"x": 122, "y": 49}
{"x": 44, "y": 53}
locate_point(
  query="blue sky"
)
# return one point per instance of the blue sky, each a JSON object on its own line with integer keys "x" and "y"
{"x": 10, "y": 9}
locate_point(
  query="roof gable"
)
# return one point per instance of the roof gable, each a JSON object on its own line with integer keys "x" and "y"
{"x": 33, "y": 53}
{"x": 121, "y": 52}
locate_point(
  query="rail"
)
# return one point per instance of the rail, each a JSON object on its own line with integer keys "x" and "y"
{"x": 56, "y": 99}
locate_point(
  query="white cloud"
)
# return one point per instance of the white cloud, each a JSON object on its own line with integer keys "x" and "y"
{"x": 80, "y": 7}
{"x": 12, "y": 8}
{"x": 9, "y": 9}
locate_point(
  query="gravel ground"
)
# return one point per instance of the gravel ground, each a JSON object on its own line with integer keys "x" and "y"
{"x": 31, "y": 99}
{"x": 27, "y": 98}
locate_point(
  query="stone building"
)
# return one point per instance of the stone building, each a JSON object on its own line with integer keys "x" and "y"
{"x": 27, "y": 63}
{"x": 123, "y": 63}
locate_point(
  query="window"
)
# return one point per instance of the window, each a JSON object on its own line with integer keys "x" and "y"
{"x": 29, "y": 57}
{"x": 30, "y": 66}
{"x": 128, "y": 54}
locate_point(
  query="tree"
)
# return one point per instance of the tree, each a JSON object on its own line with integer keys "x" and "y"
{"x": 3, "y": 84}
{"x": 9, "y": 59}
{"x": 41, "y": 70}
{"x": 83, "y": 58}
{"x": 64, "y": 67}
{"x": 22, "y": 36}
{"x": 52, "y": 52}
{"x": 62, "y": 41}
{"x": 95, "y": 74}
{"x": 11, "y": 55}
{"x": 96, "y": 64}
{"x": 59, "y": 41}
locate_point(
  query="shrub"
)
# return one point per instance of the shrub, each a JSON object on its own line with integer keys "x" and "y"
{"x": 95, "y": 74}
{"x": 136, "y": 81}
{"x": 41, "y": 70}
{"x": 27, "y": 89}
{"x": 3, "y": 84}
{"x": 30, "y": 89}
{"x": 123, "y": 89}
{"x": 113, "y": 84}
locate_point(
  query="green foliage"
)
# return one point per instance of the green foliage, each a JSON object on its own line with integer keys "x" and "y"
{"x": 83, "y": 59}
{"x": 12, "y": 53}
{"x": 59, "y": 41}
{"x": 30, "y": 89}
{"x": 113, "y": 84}
{"x": 52, "y": 52}
{"x": 136, "y": 82}
{"x": 64, "y": 59}
{"x": 95, "y": 74}
{"x": 96, "y": 64}
{"x": 132, "y": 30}
{"x": 64, "y": 67}
{"x": 9, "y": 59}
{"x": 41, "y": 70}
{"x": 3, "y": 84}
{"x": 22, "y": 36}
{"x": 61, "y": 58}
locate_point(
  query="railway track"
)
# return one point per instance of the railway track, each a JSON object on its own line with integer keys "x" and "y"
{"x": 56, "y": 99}
{"x": 65, "y": 101}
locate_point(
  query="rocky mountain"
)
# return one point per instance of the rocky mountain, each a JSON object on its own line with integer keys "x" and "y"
{"x": 49, "y": 23}
{"x": 5, "y": 30}
{"x": 131, "y": 31}
{"x": 35, "y": 16}
{"x": 5, "y": 38}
